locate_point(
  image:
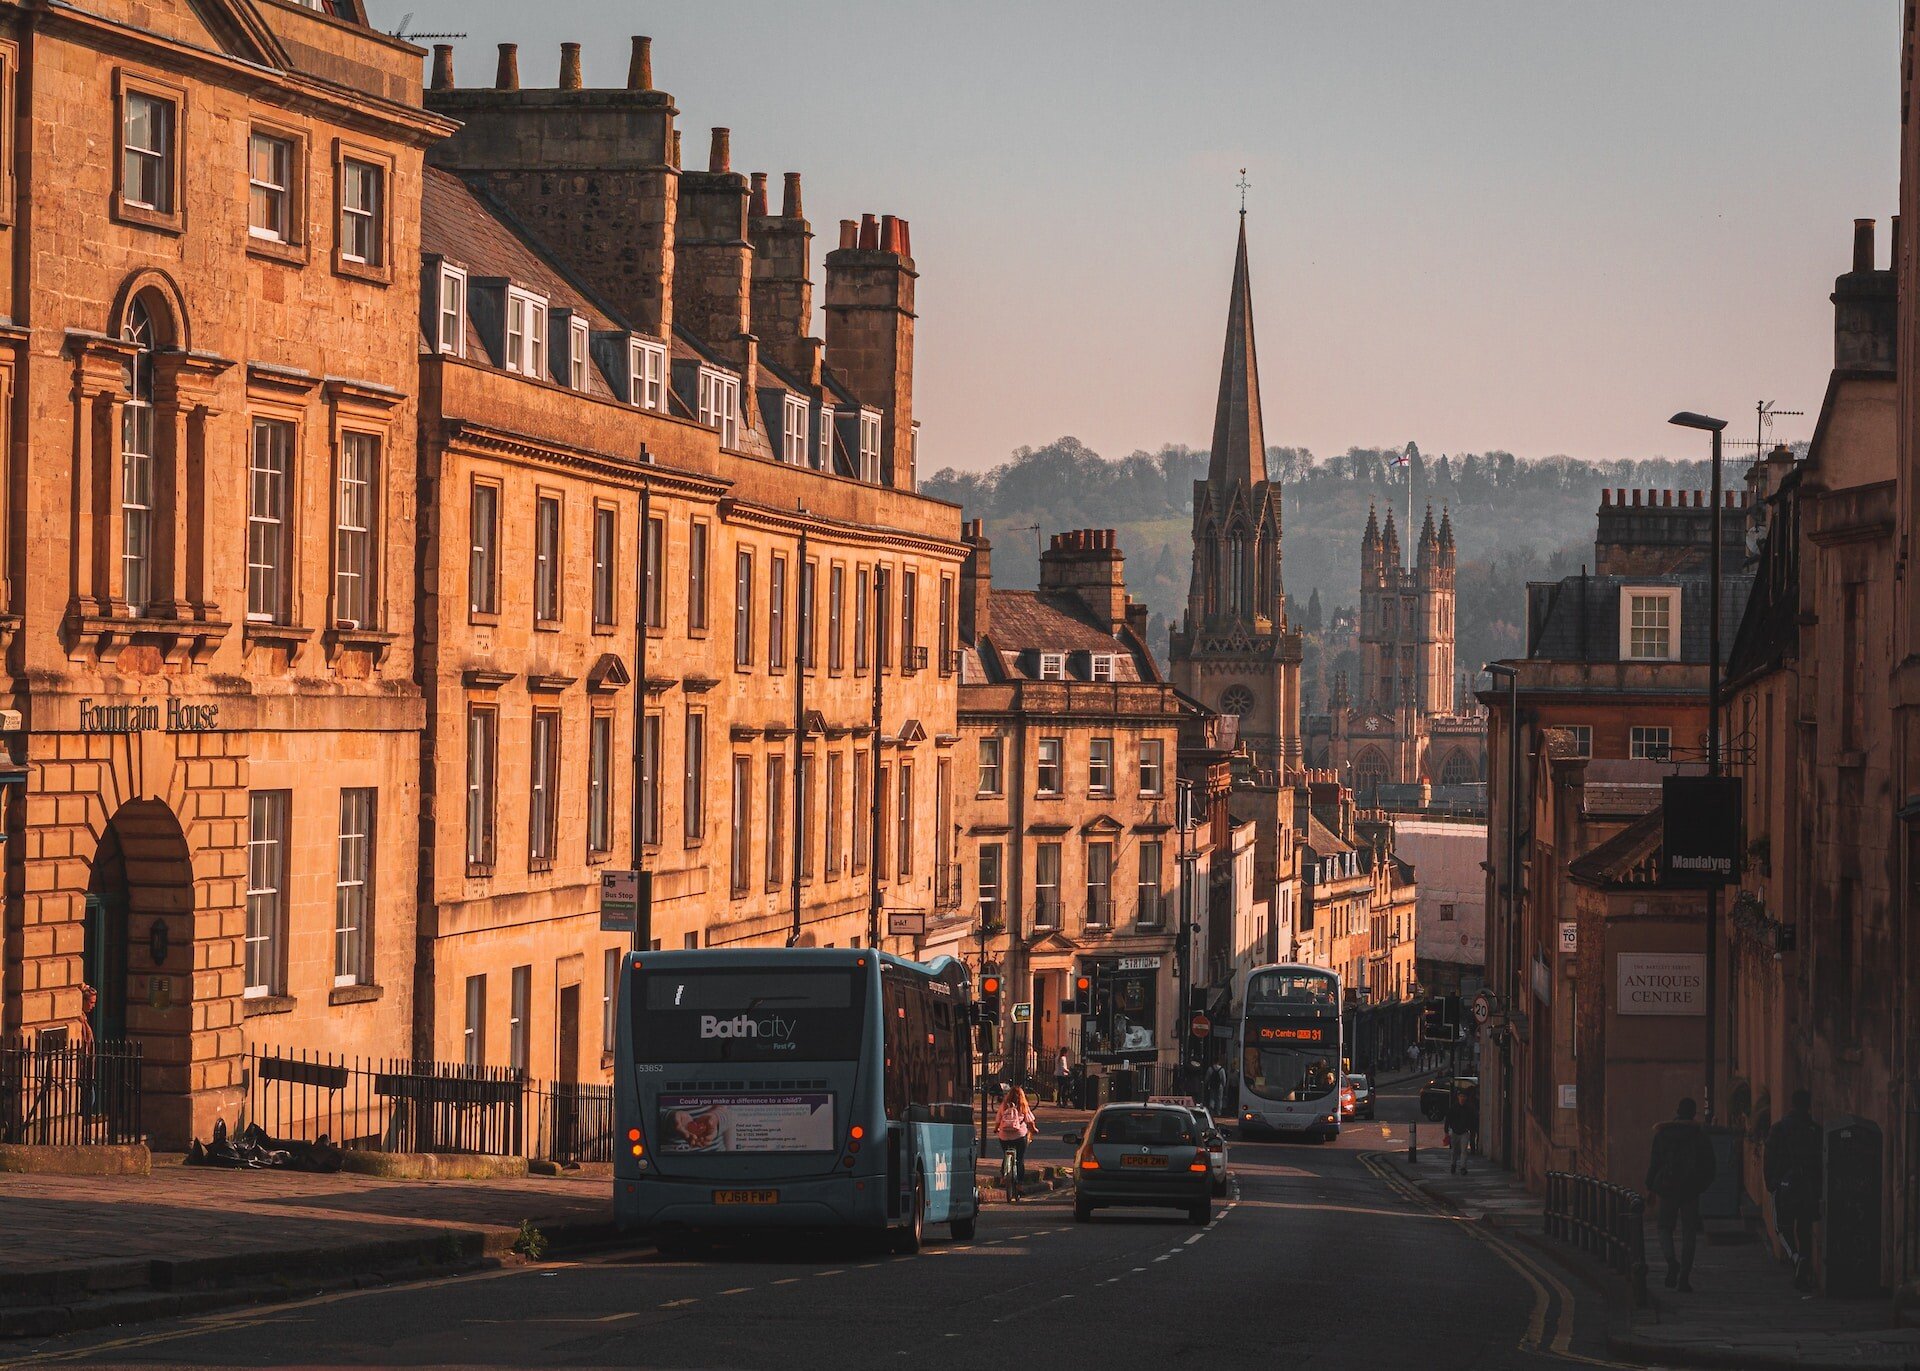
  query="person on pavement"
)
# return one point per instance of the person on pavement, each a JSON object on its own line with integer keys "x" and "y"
{"x": 1014, "y": 1126}
{"x": 1793, "y": 1175}
{"x": 1216, "y": 1088}
{"x": 1062, "y": 1078}
{"x": 1463, "y": 1122}
{"x": 1678, "y": 1172}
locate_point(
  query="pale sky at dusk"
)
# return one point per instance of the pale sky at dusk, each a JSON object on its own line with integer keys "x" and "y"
{"x": 1536, "y": 226}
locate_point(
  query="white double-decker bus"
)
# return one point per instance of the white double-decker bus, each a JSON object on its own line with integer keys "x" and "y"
{"x": 1290, "y": 1053}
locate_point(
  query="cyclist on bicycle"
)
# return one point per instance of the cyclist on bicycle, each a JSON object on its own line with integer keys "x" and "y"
{"x": 1014, "y": 1126}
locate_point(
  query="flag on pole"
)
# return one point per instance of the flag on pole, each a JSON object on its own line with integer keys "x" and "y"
{"x": 1400, "y": 458}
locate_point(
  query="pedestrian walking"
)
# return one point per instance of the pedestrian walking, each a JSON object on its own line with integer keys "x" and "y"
{"x": 1014, "y": 1127}
{"x": 1678, "y": 1172}
{"x": 1793, "y": 1166}
{"x": 1062, "y": 1078}
{"x": 1216, "y": 1088}
{"x": 1463, "y": 1124}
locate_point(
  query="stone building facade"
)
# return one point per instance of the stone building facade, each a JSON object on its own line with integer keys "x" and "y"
{"x": 212, "y": 288}
{"x": 1234, "y": 650}
{"x": 1069, "y": 809}
{"x": 656, "y": 493}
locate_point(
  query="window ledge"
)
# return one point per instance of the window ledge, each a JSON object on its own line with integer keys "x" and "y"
{"x": 362, "y": 271}
{"x": 253, "y": 1006}
{"x": 354, "y": 994}
{"x": 487, "y": 618}
{"x": 277, "y": 250}
{"x": 290, "y": 636}
{"x": 539, "y": 865}
{"x": 479, "y": 871}
{"x": 159, "y": 220}
{"x": 370, "y": 641}
{"x": 546, "y": 625}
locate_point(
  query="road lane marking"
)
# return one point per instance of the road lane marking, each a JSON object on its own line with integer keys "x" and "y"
{"x": 788, "y": 1280}
{"x": 1196, "y": 1237}
{"x": 739, "y": 1290}
{"x": 679, "y": 1304}
{"x": 840, "y": 1272}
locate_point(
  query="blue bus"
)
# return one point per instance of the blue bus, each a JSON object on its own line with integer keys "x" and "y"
{"x": 1290, "y": 1052}
{"x": 793, "y": 1088}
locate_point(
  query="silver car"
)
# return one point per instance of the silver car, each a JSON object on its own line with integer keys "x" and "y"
{"x": 1142, "y": 1155}
{"x": 1215, "y": 1142}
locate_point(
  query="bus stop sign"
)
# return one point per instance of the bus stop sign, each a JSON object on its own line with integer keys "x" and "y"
{"x": 1201, "y": 1026}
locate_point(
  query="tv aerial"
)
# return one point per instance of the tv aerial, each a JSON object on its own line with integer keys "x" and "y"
{"x": 404, "y": 36}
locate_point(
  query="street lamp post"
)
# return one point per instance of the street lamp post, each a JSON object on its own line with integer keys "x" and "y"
{"x": 1687, "y": 419}
{"x": 1507, "y": 1105}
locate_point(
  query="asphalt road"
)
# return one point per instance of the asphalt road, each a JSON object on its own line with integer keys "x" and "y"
{"x": 1319, "y": 1260}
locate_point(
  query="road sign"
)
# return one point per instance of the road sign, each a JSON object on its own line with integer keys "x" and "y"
{"x": 1482, "y": 1007}
{"x": 1201, "y": 1026}
{"x": 1023, "y": 1013}
{"x": 906, "y": 923}
{"x": 619, "y": 901}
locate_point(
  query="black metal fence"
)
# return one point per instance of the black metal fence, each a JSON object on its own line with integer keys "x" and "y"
{"x": 53, "y": 1094}
{"x": 1606, "y": 1220}
{"x": 409, "y": 1105}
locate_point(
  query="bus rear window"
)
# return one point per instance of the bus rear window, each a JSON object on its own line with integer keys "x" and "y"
{"x": 807, "y": 1015}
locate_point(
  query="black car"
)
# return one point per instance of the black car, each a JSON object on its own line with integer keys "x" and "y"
{"x": 1437, "y": 1093}
{"x": 1142, "y": 1155}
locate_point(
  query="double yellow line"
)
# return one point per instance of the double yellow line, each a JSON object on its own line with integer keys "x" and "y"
{"x": 1545, "y": 1285}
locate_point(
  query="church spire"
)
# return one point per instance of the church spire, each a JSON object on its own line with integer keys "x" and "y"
{"x": 1239, "y": 444}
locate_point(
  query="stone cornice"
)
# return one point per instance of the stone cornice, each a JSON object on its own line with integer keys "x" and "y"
{"x": 482, "y": 440}
{"x": 797, "y": 522}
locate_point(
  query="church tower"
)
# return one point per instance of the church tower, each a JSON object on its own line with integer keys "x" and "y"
{"x": 1235, "y": 651}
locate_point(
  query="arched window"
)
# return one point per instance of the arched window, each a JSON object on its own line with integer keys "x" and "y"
{"x": 1237, "y": 573}
{"x": 1459, "y": 769}
{"x": 1369, "y": 774}
{"x": 136, "y": 464}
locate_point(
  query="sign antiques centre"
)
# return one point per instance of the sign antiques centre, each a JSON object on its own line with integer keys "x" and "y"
{"x": 142, "y": 716}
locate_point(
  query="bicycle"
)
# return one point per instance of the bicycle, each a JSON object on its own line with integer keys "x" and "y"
{"x": 1009, "y": 1173}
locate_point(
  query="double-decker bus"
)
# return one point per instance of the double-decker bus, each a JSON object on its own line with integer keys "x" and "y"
{"x": 1290, "y": 1052}
{"x": 793, "y": 1088}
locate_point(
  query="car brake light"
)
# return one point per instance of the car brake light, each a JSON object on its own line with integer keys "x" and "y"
{"x": 1197, "y": 1166}
{"x": 1089, "y": 1164}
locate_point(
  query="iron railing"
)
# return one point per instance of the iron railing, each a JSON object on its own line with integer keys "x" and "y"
{"x": 53, "y": 1094}
{"x": 1046, "y": 908}
{"x": 1608, "y": 1221}
{"x": 1153, "y": 910}
{"x": 411, "y": 1105}
{"x": 1099, "y": 907}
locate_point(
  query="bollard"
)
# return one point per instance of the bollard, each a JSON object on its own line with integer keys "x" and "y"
{"x": 1413, "y": 1143}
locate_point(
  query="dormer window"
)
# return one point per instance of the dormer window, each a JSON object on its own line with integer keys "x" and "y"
{"x": 451, "y": 312}
{"x": 719, "y": 407}
{"x": 869, "y": 447}
{"x": 577, "y": 353}
{"x": 796, "y": 438}
{"x": 1650, "y": 624}
{"x": 1100, "y": 666}
{"x": 526, "y": 333}
{"x": 646, "y": 366}
{"x": 1053, "y": 666}
{"x": 824, "y": 462}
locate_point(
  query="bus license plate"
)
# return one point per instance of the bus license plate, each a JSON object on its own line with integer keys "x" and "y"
{"x": 1143, "y": 1161}
{"x": 746, "y": 1197}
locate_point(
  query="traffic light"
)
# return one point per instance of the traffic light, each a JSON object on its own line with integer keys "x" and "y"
{"x": 1455, "y": 1021}
{"x": 990, "y": 998}
{"x": 1433, "y": 1021}
{"x": 1082, "y": 1002}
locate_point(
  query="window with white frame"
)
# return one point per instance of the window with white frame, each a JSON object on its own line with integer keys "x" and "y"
{"x": 1581, "y": 735}
{"x": 990, "y": 758}
{"x": 137, "y": 466}
{"x": 653, "y": 572}
{"x": 743, "y": 607}
{"x": 824, "y": 426}
{"x": 1099, "y": 883}
{"x": 988, "y": 883}
{"x": 577, "y": 353}
{"x": 473, "y": 1038}
{"x": 146, "y": 141}
{"x": 526, "y": 333}
{"x": 356, "y": 504}
{"x": 697, "y": 576}
{"x": 795, "y": 439}
{"x": 483, "y": 567}
{"x": 719, "y": 407}
{"x": 269, "y": 520}
{"x": 266, "y": 891}
{"x": 546, "y": 558}
{"x": 1650, "y": 743}
{"x": 270, "y": 187}
{"x": 451, "y": 311}
{"x": 362, "y": 209}
{"x": 651, "y": 732}
{"x": 646, "y": 372}
{"x": 1148, "y": 889}
{"x": 869, "y": 447}
{"x": 1650, "y": 623}
{"x": 1053, "y": 666}
{"x": 606, "y": 529}
{"x": 1100, "y": 766}
{"x": 519, "y": 1006}
{"x": 1100, "y": 666}
{"x": 543, "y": 782}
{"x": 1047, "y": 768}
{"x": 482, "y": 734}
{"x": 353, "y": 901}
{"x": 1046, "y": 885}
{"x": 600, "y": 784}
{"x": 609, "y": 997}
{"x": 693, "y": 770}
{"x": 1153, "y": 766}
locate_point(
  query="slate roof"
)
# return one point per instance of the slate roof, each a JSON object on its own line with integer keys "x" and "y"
{"x": 1323, "y": 840}
{"x": 1623, "y": 858}
{"x": 1025, "y": 623}
{"x": 1577, "y": 618}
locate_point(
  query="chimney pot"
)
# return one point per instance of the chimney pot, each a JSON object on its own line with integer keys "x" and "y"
{"x": 1636, "y": 499}
{"x": 720, "y": 155}
{"x": 869, "y": 233}
{"x": 757, "y": 197}
{"x": 442, "y": 66}
{"x": 507, "y": 77}
{"x": 906, "y": 239}
{"x": 1863, "y": 245}
{"x": 640, "y": 65}
{"x": 673, "y": 150}
{"x": 790, "y": 197}
{"x": 1666, "y": 497}
{"x": 889, "y": 233}
{"x": 1606, "y": 497}
{"x": 570, "y": 78}
{"x": 849, "y": 233}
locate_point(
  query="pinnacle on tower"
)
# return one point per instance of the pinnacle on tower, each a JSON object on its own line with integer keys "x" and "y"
{"x": 1446, "y": 536}
{"x": 1390, "y": 543}
{"x": 1429, "y": 541}
{"x": 1239, "y": 455}
{"x": 1372, "y": 538}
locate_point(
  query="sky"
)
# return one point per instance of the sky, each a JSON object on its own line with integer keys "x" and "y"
{"x": 1532, "y": 225}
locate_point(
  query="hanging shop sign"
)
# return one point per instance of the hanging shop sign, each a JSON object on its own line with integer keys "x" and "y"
{"x": 1699, "y": 830}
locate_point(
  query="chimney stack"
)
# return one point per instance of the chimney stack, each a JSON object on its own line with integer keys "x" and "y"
{"x": 1087, "y": 564}
{"x": 712, "y": 292}
{"x": 442, "y": 67}
{"x": 869, "y": 328}
{"x": 570, "y": 77}
{"x": 507, "y": 76}
{"x": 720, "y": 154}
{"x": 976, "y": 584}
{"x": 1865, "y": 310}
{"x": 640, "y": 65}
{"x": 783, "y": 281}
